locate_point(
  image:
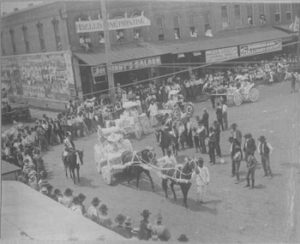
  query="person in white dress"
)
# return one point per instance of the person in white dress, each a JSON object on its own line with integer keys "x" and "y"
{"x": 153, "y": 111}
{"x": 202, "y": 180}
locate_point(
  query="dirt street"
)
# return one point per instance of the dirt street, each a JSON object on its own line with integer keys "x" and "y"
{"x": 232, "y": 213}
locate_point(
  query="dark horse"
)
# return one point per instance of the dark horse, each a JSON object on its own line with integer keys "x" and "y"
{"x": 174, "y": 175}
{"x": 140, "y": 159}
{"x": 70, "y": 162}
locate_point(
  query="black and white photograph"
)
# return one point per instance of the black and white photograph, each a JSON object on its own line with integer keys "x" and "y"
{"x": 133, "y": 121}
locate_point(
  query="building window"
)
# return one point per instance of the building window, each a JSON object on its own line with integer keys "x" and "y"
{"x": 85, "y": 41}
{"x": 137, "y": 33}
{"x": 249, "y": 14}
{"x": 2, "y": 43}
{"x": 12, "y": 39}
{"x": 25, "y": 37}
{"x": 277, "y": 13}
{"x": 176, "y": 28}
{"x": 261, "y": 12}
{"x": 160, "y": 25}
{"x": 120, "y": 35}
{"x": 193, "y": 30}
{"x": 101, "y": 37}
{"x": 41, "y": 36}
{"x": 288, "y": 12}
{"x": 55, "y": 23}
{"x": 207, "y": 27}
{"x": 237, "y": 11}
{"x": 224, "y": 15}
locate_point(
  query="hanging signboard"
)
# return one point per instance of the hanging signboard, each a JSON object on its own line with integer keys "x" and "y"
{"x": 127, "y": 66}
{"x": 46, "y": 75}
{"x": 113, "y": 24}
{"x": 221, "y": 54}
{"x": 260, "y": 47}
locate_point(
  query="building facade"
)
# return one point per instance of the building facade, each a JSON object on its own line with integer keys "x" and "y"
{"x": 53, "y": 52}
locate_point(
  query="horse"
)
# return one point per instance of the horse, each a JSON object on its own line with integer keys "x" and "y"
{"x": 70, "y": 162}
{"x": 143, "y": 157}
{"x": 174, "y": 174}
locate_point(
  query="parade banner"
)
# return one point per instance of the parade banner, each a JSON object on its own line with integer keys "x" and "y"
{"x": 86, "y": 26}
{"x": 44, "y": 75}
{"x": 127, "y": 65}
{"x": 260, "y": 47}
{"x": 221, "y": 54}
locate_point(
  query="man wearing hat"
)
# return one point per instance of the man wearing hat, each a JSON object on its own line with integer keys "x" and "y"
{"x": 69, "y": 145}
{"x": 251, "y": 165}
{"x": 264, "y": 149}
{"x": 145, "y": 231}
{"x": 236, "y": 133}
{"x": 92, "y": 212}
{"x": 104, "y": 218}
{"x": 159, "y": 231}
{"x": 249, "y": 146}
{"x": 236, "y": 157}
{"x": 119, "y": 228}
{"x": 202, "y": 180}
{"x": 67, "y": 198}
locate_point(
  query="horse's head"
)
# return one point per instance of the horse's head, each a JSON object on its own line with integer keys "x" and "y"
{"x": 188, "y": 167}
{"x": 149, "y": 156}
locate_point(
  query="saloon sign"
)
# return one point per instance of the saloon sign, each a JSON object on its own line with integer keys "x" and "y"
{"x": 128, "y": 65}
{"x": 113, "y": 24}
{"x": 260, "y": 47}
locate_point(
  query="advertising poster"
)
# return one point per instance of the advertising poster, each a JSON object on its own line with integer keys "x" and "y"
{"x": 46, "y": 75}
{"x": 221, "y": 54}
{"x": 260, "y": 47}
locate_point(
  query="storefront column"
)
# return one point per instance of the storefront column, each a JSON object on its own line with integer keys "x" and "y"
{"x": 77, "y": 78}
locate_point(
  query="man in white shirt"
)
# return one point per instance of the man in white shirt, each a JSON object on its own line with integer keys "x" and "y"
{"x": 153, "y": 111}
{"x": 202, "y": 180}
{"x": 224, "y": 116}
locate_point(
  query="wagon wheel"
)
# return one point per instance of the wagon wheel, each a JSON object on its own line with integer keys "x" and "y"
{"x": 237, "y": 98}
{"x": 176, "y": 113}
{"x": 253, "y": 95}
{"x": 107, "y": 175}
{"x": 189, "y": 109}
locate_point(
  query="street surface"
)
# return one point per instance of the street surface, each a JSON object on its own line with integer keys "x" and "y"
{"x": 232, "y": 213}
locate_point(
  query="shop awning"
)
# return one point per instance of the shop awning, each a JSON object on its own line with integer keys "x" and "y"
{"x": 121, "y": 54}
{"x": 222, "y": 40}
{"x": 229, "y": 39}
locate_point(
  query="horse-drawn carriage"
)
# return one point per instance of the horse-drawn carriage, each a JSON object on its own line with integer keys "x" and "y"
{"x": 246, "y": 92}
{"x": 177, "y": 107}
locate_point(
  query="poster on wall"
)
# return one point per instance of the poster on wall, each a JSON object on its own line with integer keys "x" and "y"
{"x": 221, "y": 54}
{"x": 260, "y": 47}
{"x": 45, "y": 75}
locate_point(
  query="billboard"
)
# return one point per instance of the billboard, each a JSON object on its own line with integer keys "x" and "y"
{"x": 43, "y": 75}
{"x": 221, "y": 54}
{"x": 260, "y": 47}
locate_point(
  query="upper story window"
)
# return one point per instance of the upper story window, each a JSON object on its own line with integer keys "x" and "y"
{"x": 40, "y": 29}
{"x": 12, "y": 39}
{"x": 288, "y": 12}
{"x": 261, "y": 12}
{"x": 25, "y": 37}
{"x": 249, "y": 14}
{"x": 224, "y": 15}
{"x": 207, "y": 27}
{"x": 277, "y": 14}
{"x": 120, "y": 35}
{"x": 160, "y": 25}
{"x": 101, "y": 37}
{"x": 2, "y": 43}
{"x": 176, "y": 27}
{"x": 137, "y": 32}
{"x": 193, "y": 30}
{"x": 85, "y": 41}
{"x": 55, "y": 23}
{"x": 237, "y": 11}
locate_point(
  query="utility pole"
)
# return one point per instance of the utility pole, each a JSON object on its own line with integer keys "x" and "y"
{"x": 110, "y": 76}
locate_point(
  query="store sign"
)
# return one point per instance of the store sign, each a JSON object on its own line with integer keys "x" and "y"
{"x": 127, "y": 66}
{"x": 260, "y": 47}
{"x": 221, "y": 54}
{"x": 113, "y": 24}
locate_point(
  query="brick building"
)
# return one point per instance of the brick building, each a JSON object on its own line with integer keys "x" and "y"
{"x": 55, "y": 51}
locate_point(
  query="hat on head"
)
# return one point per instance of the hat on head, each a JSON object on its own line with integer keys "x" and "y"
{"x": 183, "y": 238}
{"x": 159, "y": 218}
{"x": 103, "y": 208}
{"x": 248, "y": 135}
{"x": 233, "y": 126}
{"x": 57, "y": 192}
{"x": 95, "y": 201}
{"x": 81, "y": 197}
{"x": 120, "y": 219}
{"x": 200, "y": 160}
{"x": 128, "y": 221}
{"x": 68, "y": 192}
{"x": 145, "y": 213}
{"x": 76, "y": 200}
{"x": 261, "y": 138}
{"x": 68, "y": 133}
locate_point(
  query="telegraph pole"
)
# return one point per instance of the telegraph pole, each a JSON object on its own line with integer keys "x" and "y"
{"x": 110, "y": 76}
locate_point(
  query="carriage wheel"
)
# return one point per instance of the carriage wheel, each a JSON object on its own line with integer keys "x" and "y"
{"x": 176, "y": 113}
{"x": 237, "y": 98}
{"x": 253, "y": 95}
{"x": 189, "y": 109}
{"x": 107, "y": 175}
